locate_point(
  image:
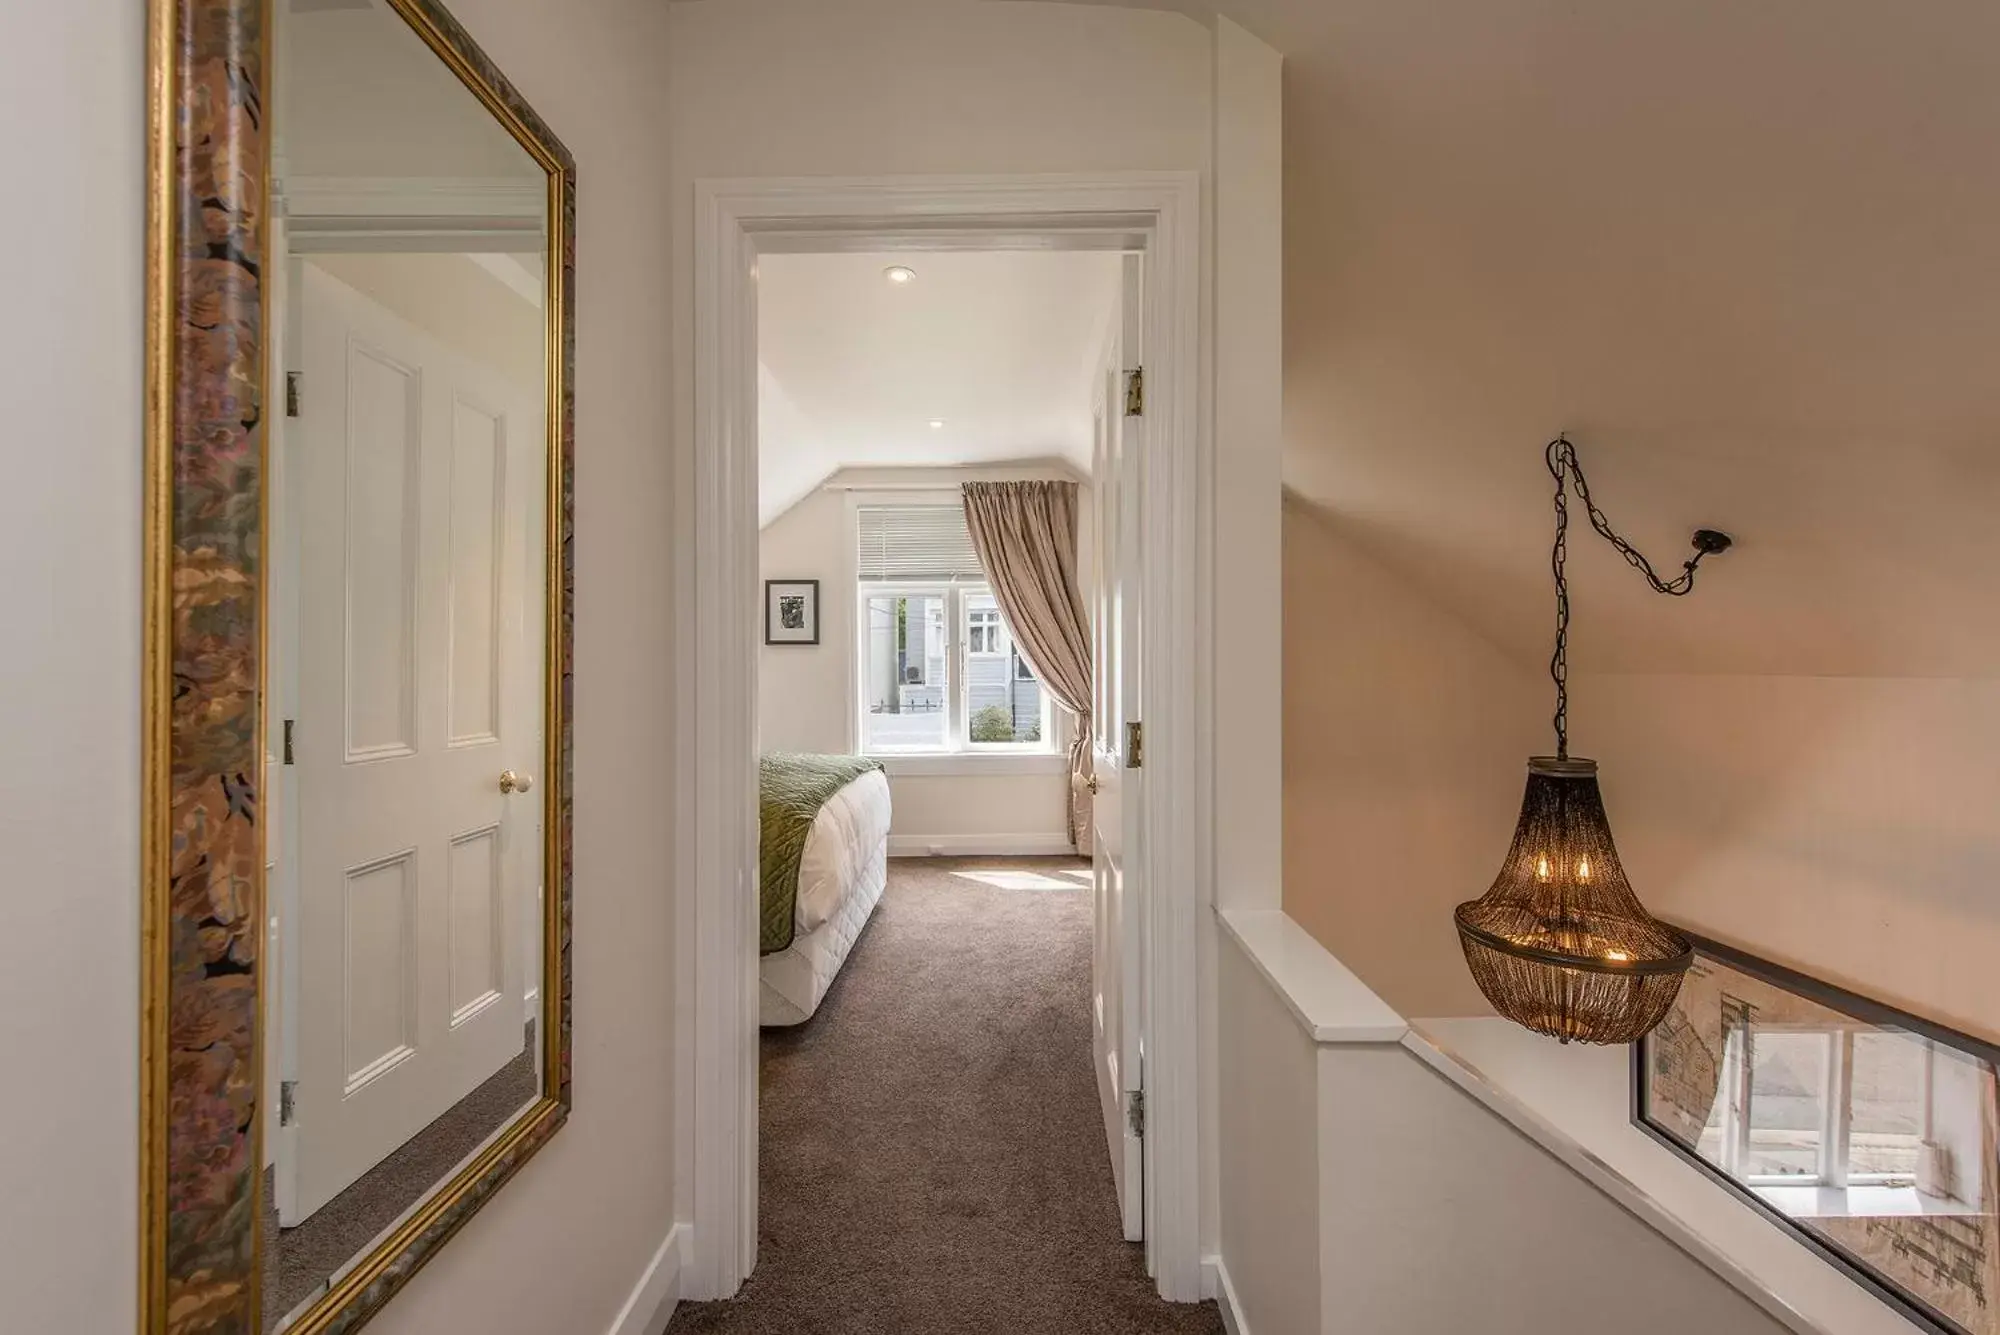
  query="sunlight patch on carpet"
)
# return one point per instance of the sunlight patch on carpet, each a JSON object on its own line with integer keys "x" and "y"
{"x": 1008, "y": 879}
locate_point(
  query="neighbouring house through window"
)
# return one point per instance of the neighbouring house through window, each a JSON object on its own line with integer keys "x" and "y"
{"x": 940, "y": 670}
{"x": 982, "y": 630}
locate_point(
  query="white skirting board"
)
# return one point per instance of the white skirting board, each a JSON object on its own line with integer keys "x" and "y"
{"x": 1215, "y": 1284}
{"x": 652, "y": 1303}
{"x": 980, "y": 846}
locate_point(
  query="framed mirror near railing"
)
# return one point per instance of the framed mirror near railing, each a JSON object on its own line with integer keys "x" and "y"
{"x": 1868, "y": 1132}
{"x": 357, "y": 888}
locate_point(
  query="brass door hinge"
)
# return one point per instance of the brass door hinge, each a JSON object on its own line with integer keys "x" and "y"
{"x": 1135, "y": 745}
{"x": 1135, "y": 392}
{"x": 1135, "y": 1113}
{"x": 292, "y": 382}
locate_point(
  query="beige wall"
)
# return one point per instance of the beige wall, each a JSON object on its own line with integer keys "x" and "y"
{"x": 71, "y": 86}
{"x": 1838, "y": 824}
{"x": 560, "y": 1248}
{"x": 1764, "y": 305}
{"x": 1407, "y": 737}
{"x": 1844, "y": 825}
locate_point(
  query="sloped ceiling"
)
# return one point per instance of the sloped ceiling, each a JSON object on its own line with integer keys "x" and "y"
{"x": 1747, "y": 255}
{"x": 999, "y": 347}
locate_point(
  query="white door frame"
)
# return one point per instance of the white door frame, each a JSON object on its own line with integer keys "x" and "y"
{"x": 716, "y": 856}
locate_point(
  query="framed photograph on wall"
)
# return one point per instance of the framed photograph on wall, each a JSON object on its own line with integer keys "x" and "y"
{"x": 791, "y": 611}
{"x": 1867, "y": 1132}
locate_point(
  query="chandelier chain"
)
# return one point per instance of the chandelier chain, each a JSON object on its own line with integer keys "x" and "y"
{"x": 1567, "y": 472}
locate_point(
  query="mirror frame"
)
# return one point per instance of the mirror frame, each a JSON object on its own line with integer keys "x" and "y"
{"x": 202, "y": 875}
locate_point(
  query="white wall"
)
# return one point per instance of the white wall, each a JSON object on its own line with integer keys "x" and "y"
{"x": 370, "y": 100}
{"x": 70, "y": 375}
{"x": 452, "y": 298}
{"x": 1364, "y": 1191}
{"x": 889, "y": 87}
{"x": 1440, "y": 1216}
{"x": 1269, "y": 1168}
{"x": 804, "y": 701}
{"x": 872, "y": 87}
{"x": 1409, "y": 736}
{"x": 561, "y": 1247}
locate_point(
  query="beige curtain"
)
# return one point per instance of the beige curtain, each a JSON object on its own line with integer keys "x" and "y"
{"x": 1025, "y": 534}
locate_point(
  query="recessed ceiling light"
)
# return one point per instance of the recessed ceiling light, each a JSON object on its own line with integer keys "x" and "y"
{"x": 937, "y": 424}
{"x": 900, "y": 274}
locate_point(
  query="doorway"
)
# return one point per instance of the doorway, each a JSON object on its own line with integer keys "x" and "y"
{"x": 1155, "y": 218}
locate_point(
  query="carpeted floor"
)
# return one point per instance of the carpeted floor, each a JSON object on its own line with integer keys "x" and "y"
{"x": 299, "y": 1261}
{"x": 932, "y": 1154}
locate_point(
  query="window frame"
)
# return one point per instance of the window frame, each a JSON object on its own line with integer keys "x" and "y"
{"x": 866, "y": 594}
{"x": 957, "y": 685}
{"x": 1005, "y": 634}
{"x": 1834, "y": 1169}
{"x": 997, "y": 638}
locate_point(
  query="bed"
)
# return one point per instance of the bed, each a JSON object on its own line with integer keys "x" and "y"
{"x": 824, "y": 861}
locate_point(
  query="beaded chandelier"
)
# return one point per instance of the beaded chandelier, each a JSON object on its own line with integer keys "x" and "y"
{"x": 1561, "y": 943}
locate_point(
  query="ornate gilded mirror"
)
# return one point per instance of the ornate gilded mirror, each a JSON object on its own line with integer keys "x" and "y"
{"x": 357, "y": 772}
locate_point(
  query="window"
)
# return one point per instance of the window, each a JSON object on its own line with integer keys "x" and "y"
{"x": 982, "y": 630}
{"x": 903, "y": 645}
{"x": 1788, "y": 1106}
{"x": 1887, "y": 1107}
{"x": 1823, "y": 1107}
{"x": 939, "y": 671}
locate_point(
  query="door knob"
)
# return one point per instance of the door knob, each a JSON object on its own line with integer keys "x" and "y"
{"x": 510, "y": 782}
{"x": 1091, "y": 783}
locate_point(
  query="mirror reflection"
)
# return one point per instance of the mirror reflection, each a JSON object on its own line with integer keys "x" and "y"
{"x": 1875, "y": 1140}
{"x": 407, "y": 639}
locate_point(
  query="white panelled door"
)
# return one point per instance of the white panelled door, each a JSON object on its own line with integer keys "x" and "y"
{"x": 419, "y": 684}
{"x": 1117, "y": 1000}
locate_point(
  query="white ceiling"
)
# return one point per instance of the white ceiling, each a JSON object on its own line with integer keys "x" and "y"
{"x": 1000, "y": 346}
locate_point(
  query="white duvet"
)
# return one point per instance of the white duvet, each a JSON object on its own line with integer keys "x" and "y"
{"x": 842, "y": 874}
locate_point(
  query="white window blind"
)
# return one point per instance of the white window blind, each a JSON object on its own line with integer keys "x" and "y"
{"x": 915, "y": 544}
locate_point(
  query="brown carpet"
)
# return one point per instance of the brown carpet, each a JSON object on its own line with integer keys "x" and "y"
{"x": 932, "y": 1154}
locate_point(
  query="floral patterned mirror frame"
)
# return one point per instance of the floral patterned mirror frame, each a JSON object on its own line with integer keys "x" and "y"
{"x": 203, "y": 861}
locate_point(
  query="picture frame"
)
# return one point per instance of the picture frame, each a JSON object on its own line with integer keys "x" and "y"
{"x": 1868, "y": 1155}
{"x": 791, "y": 611}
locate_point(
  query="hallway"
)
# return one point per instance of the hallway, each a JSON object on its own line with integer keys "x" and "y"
{"x": 932, "y": 1150}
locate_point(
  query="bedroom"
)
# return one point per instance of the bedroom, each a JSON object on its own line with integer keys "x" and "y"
{"x": 934, "y": 927}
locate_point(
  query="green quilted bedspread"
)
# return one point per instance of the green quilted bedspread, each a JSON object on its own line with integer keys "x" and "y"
{"x": 793, "y": 788}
